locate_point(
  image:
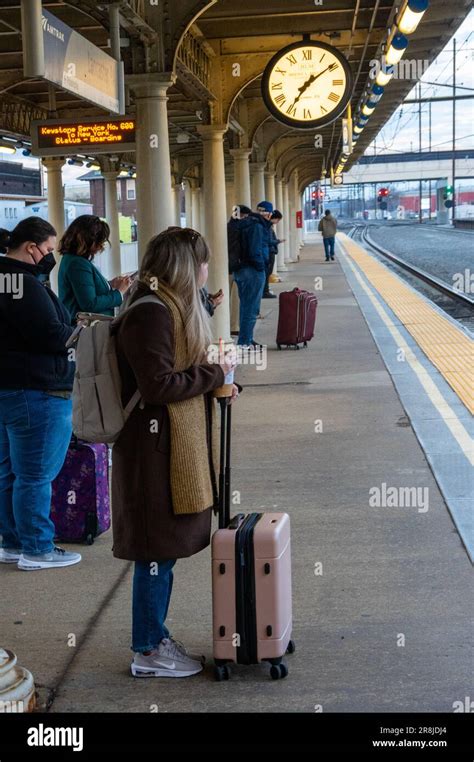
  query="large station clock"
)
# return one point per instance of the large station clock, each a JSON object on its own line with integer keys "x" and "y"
{"x": 307, "y": 84}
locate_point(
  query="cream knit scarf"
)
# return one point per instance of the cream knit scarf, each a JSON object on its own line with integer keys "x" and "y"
{"x": 190, "y": 470}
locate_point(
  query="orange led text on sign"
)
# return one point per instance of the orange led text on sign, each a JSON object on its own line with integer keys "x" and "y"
{"x": 77, "y": 134}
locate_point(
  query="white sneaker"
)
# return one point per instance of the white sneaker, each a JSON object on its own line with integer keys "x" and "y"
{"x": 181, "y": 647}
{"x": 165, "y": 661}
{"x": 9, "y": 555}
{"x": 57, "y": 558}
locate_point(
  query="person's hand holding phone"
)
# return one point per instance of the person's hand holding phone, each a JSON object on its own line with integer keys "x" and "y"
{"x": 121, "y": 283}
{"x": 217, "y": 298}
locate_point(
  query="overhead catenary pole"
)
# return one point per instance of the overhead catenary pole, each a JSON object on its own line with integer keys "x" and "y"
{"x": 420, "y": 187}
{"x": 429, "y": 144}
{"x": 454, "y": 130}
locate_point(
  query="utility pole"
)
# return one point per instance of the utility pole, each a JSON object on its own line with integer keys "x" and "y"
{"x": 454, "y": 130}
{"x": 429, "y": 139}
{"x": 420, "y": 187}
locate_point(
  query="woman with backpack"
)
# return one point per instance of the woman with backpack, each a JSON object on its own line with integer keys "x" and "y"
{"x": 82, "y": 287}
{"x": 163, "y": 475}
{"x": 36, "y": 375}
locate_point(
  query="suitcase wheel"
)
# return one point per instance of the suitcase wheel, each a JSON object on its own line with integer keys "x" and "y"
{"x": 279, "y": 347}
{"x": 90, "y": 539}
{"x": 278, "y": 671}
{"x": 306, "y": 344}
{"x": 221, "y": 673}
{"x": 291, "y": 647}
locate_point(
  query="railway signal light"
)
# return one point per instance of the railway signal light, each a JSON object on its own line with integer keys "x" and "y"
{"x": 448, "y": 196}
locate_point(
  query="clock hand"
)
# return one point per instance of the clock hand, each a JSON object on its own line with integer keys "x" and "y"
{"x": 309, "y": 82}
{"x": 303, "y": 88}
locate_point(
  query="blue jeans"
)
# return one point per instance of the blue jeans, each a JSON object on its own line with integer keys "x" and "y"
{"x": 35, "y": 431}
{"x": 152, "y": 586}
{"x": 250, "y": 283}
{"x": 329, "y": 246}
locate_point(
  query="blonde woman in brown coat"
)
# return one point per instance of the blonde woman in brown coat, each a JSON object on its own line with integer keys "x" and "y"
{"x": 163, "y": 474}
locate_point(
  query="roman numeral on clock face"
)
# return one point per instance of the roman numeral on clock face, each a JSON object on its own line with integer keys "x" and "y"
{"x": 333, "y": 67}
{"x": 324, "y": 110}
{"x": 291, "y": 59}
{"x": 280, "y": 71}
{"x": 337, "y": 82}
{"x": 291, "y": 111}
{"x": 307, "y": 55}
{"x": 280, "y": 99}
{"x": 279, "y": 85}
{"x": 334, "y": 97}
{"x": 307, "y": 114}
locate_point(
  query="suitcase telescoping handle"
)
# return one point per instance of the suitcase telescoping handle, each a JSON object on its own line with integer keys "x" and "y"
{"x": 224, "y": 465}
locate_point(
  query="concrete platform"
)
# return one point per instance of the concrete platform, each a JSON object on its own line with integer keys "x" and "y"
{"x": 386, "y": 625}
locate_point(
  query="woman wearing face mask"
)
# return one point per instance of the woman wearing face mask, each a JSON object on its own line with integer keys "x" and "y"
{"x": 163, "y": 475}
{"x": 36, "y": 376}
{"x": 82, "y": 287}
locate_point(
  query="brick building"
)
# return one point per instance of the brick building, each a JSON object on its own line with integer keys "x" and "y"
{"x": 17, "y": 180}
{"x": 126, "y": 194}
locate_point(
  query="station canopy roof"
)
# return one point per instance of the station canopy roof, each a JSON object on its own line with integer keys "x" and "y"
{"x": 201, "y": 39}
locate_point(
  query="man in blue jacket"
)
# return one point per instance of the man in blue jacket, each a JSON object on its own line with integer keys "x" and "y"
{"x": 251, "y": 276}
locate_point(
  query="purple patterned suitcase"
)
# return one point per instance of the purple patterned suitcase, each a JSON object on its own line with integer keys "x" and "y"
{"x": 80, "y": 504}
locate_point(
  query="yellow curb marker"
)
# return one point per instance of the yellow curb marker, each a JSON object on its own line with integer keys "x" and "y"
{"x": 445, "y": 345}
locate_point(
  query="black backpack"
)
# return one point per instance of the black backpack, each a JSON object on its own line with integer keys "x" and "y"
{"x": 236, "y": 245}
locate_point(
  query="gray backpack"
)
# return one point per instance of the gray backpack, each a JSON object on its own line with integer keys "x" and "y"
{"x": 97, "y": 411}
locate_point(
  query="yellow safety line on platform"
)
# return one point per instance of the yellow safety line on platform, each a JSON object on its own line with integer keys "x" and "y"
{"x": 445, "y": 345}
{"x": 452, "y": 421}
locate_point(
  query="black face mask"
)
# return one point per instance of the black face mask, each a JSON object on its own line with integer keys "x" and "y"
{"x": 45, "y": 265}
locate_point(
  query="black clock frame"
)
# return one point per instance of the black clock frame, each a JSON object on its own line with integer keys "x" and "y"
{"x": 324, "y": 120}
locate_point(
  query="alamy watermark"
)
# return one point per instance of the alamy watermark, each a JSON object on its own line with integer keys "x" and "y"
{"x": 242, "y": 355}
{"x": 12, "y": 283}
{"x": 399, "y": 497}
{"x": 464, "y": 282}
{"x": 413, "y": 68}
{"x": 48, "y": 736}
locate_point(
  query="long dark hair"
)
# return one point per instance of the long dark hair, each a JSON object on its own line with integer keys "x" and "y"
{"x": 30, "y": 229}
{"x": 85, "y": 236}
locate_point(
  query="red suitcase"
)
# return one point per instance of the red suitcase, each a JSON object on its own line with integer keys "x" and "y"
{"x": 251, "y": 580}
{"x": 296, "y": 318}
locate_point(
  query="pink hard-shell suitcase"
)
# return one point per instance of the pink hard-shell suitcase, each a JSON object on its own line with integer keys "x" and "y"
{"x": 251, "y": 580}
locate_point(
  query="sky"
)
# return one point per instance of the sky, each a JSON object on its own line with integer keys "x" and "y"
{"x": 401, "y": 132}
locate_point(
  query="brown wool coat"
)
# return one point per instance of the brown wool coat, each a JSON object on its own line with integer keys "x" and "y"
{"x": 144, "y": 525}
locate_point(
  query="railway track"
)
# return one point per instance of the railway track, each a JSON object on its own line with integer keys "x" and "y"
{"x": 457, "y": 304}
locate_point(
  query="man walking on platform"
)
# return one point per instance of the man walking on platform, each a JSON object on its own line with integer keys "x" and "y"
{"x": 328, "y": 227}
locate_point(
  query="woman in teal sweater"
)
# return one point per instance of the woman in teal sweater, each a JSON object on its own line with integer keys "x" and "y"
{"x": 82, "y": 287}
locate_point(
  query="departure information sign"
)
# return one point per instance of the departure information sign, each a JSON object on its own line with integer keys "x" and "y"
{"x": 66, "y": 137}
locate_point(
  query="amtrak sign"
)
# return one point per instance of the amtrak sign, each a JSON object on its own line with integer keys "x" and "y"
{"x": 78, "y": 66}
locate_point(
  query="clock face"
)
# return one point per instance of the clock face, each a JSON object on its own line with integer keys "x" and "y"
{"x": 308, "y": 84}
